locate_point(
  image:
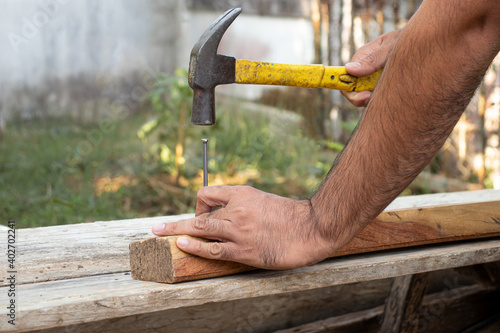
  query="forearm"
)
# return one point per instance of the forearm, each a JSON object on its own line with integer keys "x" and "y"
{"x": 433, "y": 71}
{"x": 431, "y": 75}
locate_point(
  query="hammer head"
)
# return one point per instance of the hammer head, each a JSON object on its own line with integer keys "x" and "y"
{"x": 208, "y": 69}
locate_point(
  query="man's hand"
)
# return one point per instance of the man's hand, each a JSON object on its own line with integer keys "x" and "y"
{"x": 436, "y": 63}
{"x": 251, "y": 227}
{"x": 367, "y": 60}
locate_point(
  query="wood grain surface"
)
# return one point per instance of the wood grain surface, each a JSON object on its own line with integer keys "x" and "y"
{"x": 100, "y": 297}
{"x": 159, "y": 259}
{"x": 73, "y": 275}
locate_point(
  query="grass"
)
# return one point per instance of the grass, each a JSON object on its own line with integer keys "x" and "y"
{"x": 56, "y": 171}
{"x": 49, "y": 169}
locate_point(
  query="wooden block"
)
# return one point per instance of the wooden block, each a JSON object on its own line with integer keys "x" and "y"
{"x": 158, "y": 258}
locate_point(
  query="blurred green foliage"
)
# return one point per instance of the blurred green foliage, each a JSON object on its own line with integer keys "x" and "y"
{"x": 268, "y": 146}
{"x": 49, "y": 169}
{"x": 170, "y": 99}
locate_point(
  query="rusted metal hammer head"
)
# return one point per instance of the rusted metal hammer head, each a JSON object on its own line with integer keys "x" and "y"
{"x": 208, "y": 69}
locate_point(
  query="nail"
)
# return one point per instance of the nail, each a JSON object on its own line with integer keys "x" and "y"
{"x": 158, "y": 227}
{"x": 205, "y": 162}
{"x": 182, "y": 242}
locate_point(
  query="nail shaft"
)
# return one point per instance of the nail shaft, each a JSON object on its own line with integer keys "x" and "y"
{"x": 205, "y": 162}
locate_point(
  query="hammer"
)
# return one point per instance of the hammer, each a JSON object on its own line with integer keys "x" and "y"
{"x": 208, "y": 69}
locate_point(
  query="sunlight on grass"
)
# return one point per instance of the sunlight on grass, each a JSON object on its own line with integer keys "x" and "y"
{"x": 56, "y": 171}
{"x": 108, "y": 184}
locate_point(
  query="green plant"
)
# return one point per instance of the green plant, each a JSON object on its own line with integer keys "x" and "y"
{"x": 349, "y": 125}
{"x": 47, "y": 179}
{"x": 170, "y": 99}
{"x": 275, "y": 152}
{"x": 246, "y": 147}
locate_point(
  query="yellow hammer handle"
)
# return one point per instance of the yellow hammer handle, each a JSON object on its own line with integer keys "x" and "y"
{"x": 308, "y": 76}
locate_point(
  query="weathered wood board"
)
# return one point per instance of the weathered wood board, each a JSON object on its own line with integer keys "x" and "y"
{"x": 427, "y": 225}
{"x": 76, "y": 250}
{"x": 159, "y": 259}
{"x": 80, "y": 274}
{"x": 402, "y": 304}
{"x": 88, "y": 249}
{"x": 86, "y": 299}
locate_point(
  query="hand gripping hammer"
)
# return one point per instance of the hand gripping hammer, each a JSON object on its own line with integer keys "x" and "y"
{"x": 208, "y": 69}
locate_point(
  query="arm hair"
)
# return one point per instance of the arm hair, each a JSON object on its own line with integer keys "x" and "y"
{"x": 430, "y": 77}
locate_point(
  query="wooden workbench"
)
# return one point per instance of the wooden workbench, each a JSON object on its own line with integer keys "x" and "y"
{"x": 74, "y": 278}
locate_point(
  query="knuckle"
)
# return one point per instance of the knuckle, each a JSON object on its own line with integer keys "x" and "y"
{"x": 172, "y": 226}
{"x": 369, "y": 59}
{"x": 216, "y": 250}
{"x": 244, "y": 188}
{"x": 197, "y": 246}
{"x": 201, "y": 224}
{"x": 205, "y": 224}
{"x": 240, "y": 211}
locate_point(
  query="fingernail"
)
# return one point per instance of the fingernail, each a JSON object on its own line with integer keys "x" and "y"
{"x": 182, "y": 242}
{"x": 354, "y": 64}
{"x": 158, "y": 227}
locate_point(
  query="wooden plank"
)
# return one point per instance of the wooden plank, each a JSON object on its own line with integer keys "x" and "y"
{"x": 76, "y": 250}
{"x": 428, "y": 200}
{"x": 80, "y": 300}
{"x": 391, "y": 229}
{"x": 259, "y": 314}
{"x": 403, "y": 301}
{"x": 427, "y": 225}
{"x": 87, "y": 249}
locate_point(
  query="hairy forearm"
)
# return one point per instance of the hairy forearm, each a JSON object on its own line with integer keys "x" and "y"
{"x": 430, "y": 76}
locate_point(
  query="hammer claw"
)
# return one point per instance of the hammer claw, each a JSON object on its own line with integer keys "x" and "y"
{"x": 208, "y": 69}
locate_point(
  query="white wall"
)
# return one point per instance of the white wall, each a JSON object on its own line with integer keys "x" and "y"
{"x": 71, "y": 56}
{"x": 58, "y": 54}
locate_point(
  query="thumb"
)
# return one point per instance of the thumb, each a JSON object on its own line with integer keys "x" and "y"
{"x": 367, "y": 65}
{"x": 372, "y": 56}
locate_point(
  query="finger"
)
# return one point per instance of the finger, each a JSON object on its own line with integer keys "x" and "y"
{"x": 366, "y": 49}
{"x": 367, "y": 65}
{"x": 211, "y": 250}
{"x": 213, "y": 196}
{"x": 358, "y": 99}
{"x": 363, "y": 61}
{"x": 203, "y": 226}
{"x": 372, "y": 56}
